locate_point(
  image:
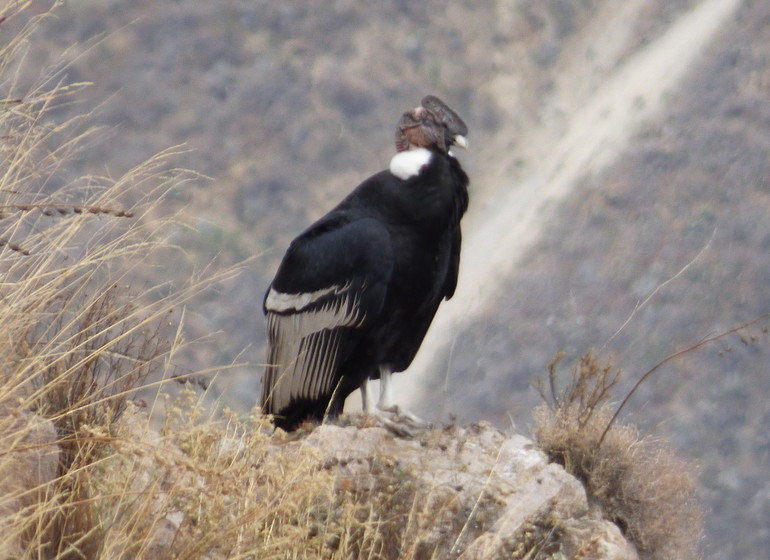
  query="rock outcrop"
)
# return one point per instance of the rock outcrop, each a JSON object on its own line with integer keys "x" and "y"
{"x": 515, "y": 500}
{"x": 223, "y": 488}
{"x": 471, "y": 493}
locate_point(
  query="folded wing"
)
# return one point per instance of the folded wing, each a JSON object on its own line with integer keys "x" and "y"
{"x": 329, "y": 288}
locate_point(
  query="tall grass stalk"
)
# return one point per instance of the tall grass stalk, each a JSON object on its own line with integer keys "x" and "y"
{"x": 82, "y": 326}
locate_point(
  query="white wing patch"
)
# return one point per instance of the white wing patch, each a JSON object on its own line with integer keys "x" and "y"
{"x": 280, "y": 302}
{"x": 405, "y": 165}
{"x": 304, "y": 347}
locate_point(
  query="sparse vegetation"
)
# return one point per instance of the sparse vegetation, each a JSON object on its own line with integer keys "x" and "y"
{"x": 638, "y": 482}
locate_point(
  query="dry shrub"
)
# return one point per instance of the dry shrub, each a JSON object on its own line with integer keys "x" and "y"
{"x": 638, "y": 482}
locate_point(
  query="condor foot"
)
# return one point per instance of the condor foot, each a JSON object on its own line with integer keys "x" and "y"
{"x": 399, "y": 422}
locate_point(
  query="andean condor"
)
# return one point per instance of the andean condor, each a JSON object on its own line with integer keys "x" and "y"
{"x": 356, "y": 291}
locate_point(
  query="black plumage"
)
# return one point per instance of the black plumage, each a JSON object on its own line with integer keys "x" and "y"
{"x": 356, "y": 291}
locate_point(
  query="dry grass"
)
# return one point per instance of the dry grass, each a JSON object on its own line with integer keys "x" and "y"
{"x": 77, "y": 338}
{"x": 638, "y": 482}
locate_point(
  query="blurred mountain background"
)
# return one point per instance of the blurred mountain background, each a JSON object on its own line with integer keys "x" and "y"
{"x": 615, "y": 145}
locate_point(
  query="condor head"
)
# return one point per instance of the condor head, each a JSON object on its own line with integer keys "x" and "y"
{"x": 432, "y": 125}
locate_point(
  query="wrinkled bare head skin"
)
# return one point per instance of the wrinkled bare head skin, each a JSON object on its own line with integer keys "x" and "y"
{"x": 432, "y": 125}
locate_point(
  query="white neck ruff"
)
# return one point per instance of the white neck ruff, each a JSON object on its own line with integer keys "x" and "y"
{"x": 405, "y": 165}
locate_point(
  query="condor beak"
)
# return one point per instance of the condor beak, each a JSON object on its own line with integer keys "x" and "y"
{"x": 460, "y": 141}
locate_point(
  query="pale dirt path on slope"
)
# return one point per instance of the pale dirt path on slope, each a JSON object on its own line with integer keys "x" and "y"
{"x": 578, "y": 133}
